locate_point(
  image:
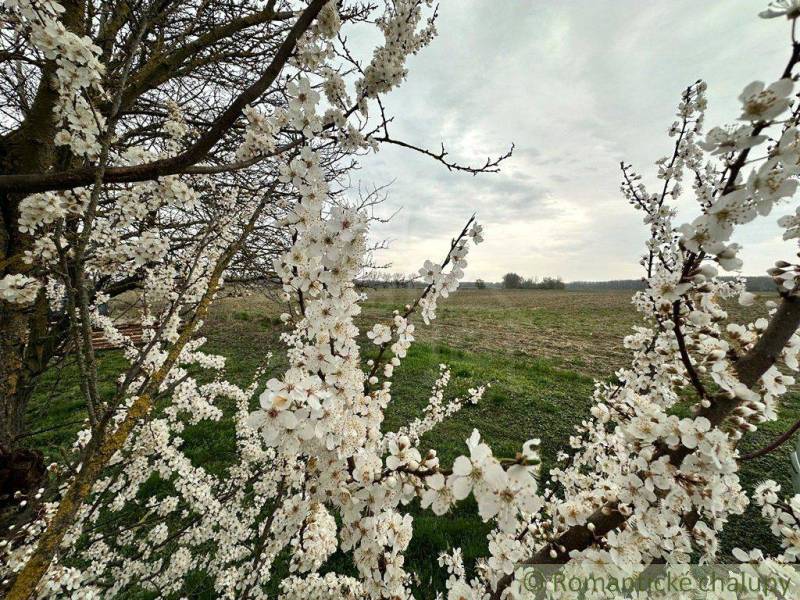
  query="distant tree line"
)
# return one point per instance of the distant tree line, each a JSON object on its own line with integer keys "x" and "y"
{"x": 614, "y": 284}
{"x": 514, "y": 281}
{"x": 754, "y": 284}
{"x": 378, "y": 278}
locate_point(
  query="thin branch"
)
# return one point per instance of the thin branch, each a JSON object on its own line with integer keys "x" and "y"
{"x": 419, "y": 299}
{"x": 492, "y": 165}
{"x": 777, "y": 442}
{"x": 685, "y": 358}
{"x": 64, "y": 180}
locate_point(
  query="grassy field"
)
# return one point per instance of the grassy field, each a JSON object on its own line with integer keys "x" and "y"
{"x": 538, "y": 350}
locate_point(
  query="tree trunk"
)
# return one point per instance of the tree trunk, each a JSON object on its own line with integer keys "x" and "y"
{"x": 23, "y": 330}
{"x": 28, "y": 341}
{"x": 13, "y": 340}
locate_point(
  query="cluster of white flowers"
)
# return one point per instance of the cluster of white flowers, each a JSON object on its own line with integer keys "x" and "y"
{"x": 39, "y": 210}
{"x": 784, "y": 518}
{"x": 149, "y": 247}
{"x": 19, "y": 289}
{"x": 78, "y": 71}
{"x": 441, "y": 282}
{"x": 315, "y": 541}
{"x": 740, "y": 200}
{"x": 437, "y": 410}
{"x": 172, "y": 284}
{"x": 328, "y": 22}
{"x": 319, "y": 407}
{"x": 399, "y": 27}
{"x": 317, "y": 587}
{"x": 259, "y": 137}
{"x": 303, "y": 102}
{"x": 504, "y": 495}
{"x": 123, "y": 237}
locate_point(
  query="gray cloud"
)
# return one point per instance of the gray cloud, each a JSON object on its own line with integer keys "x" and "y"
{"x": 578, "y": 86}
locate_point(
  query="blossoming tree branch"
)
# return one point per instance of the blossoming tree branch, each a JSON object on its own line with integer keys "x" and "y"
{"x": 161, "y": 147}
{"x": 149, "y": 145}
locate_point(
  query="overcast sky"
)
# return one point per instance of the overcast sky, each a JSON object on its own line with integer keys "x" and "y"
{"x": 578, "y": 86}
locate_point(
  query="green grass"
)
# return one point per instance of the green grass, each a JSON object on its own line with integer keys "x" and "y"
{"x": 527, "y": 398}
{"x": 516, "y": 346}
{"x": 58, "y": 409}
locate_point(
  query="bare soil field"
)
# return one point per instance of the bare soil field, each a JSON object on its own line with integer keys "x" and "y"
{"x": 580, "y": 331}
